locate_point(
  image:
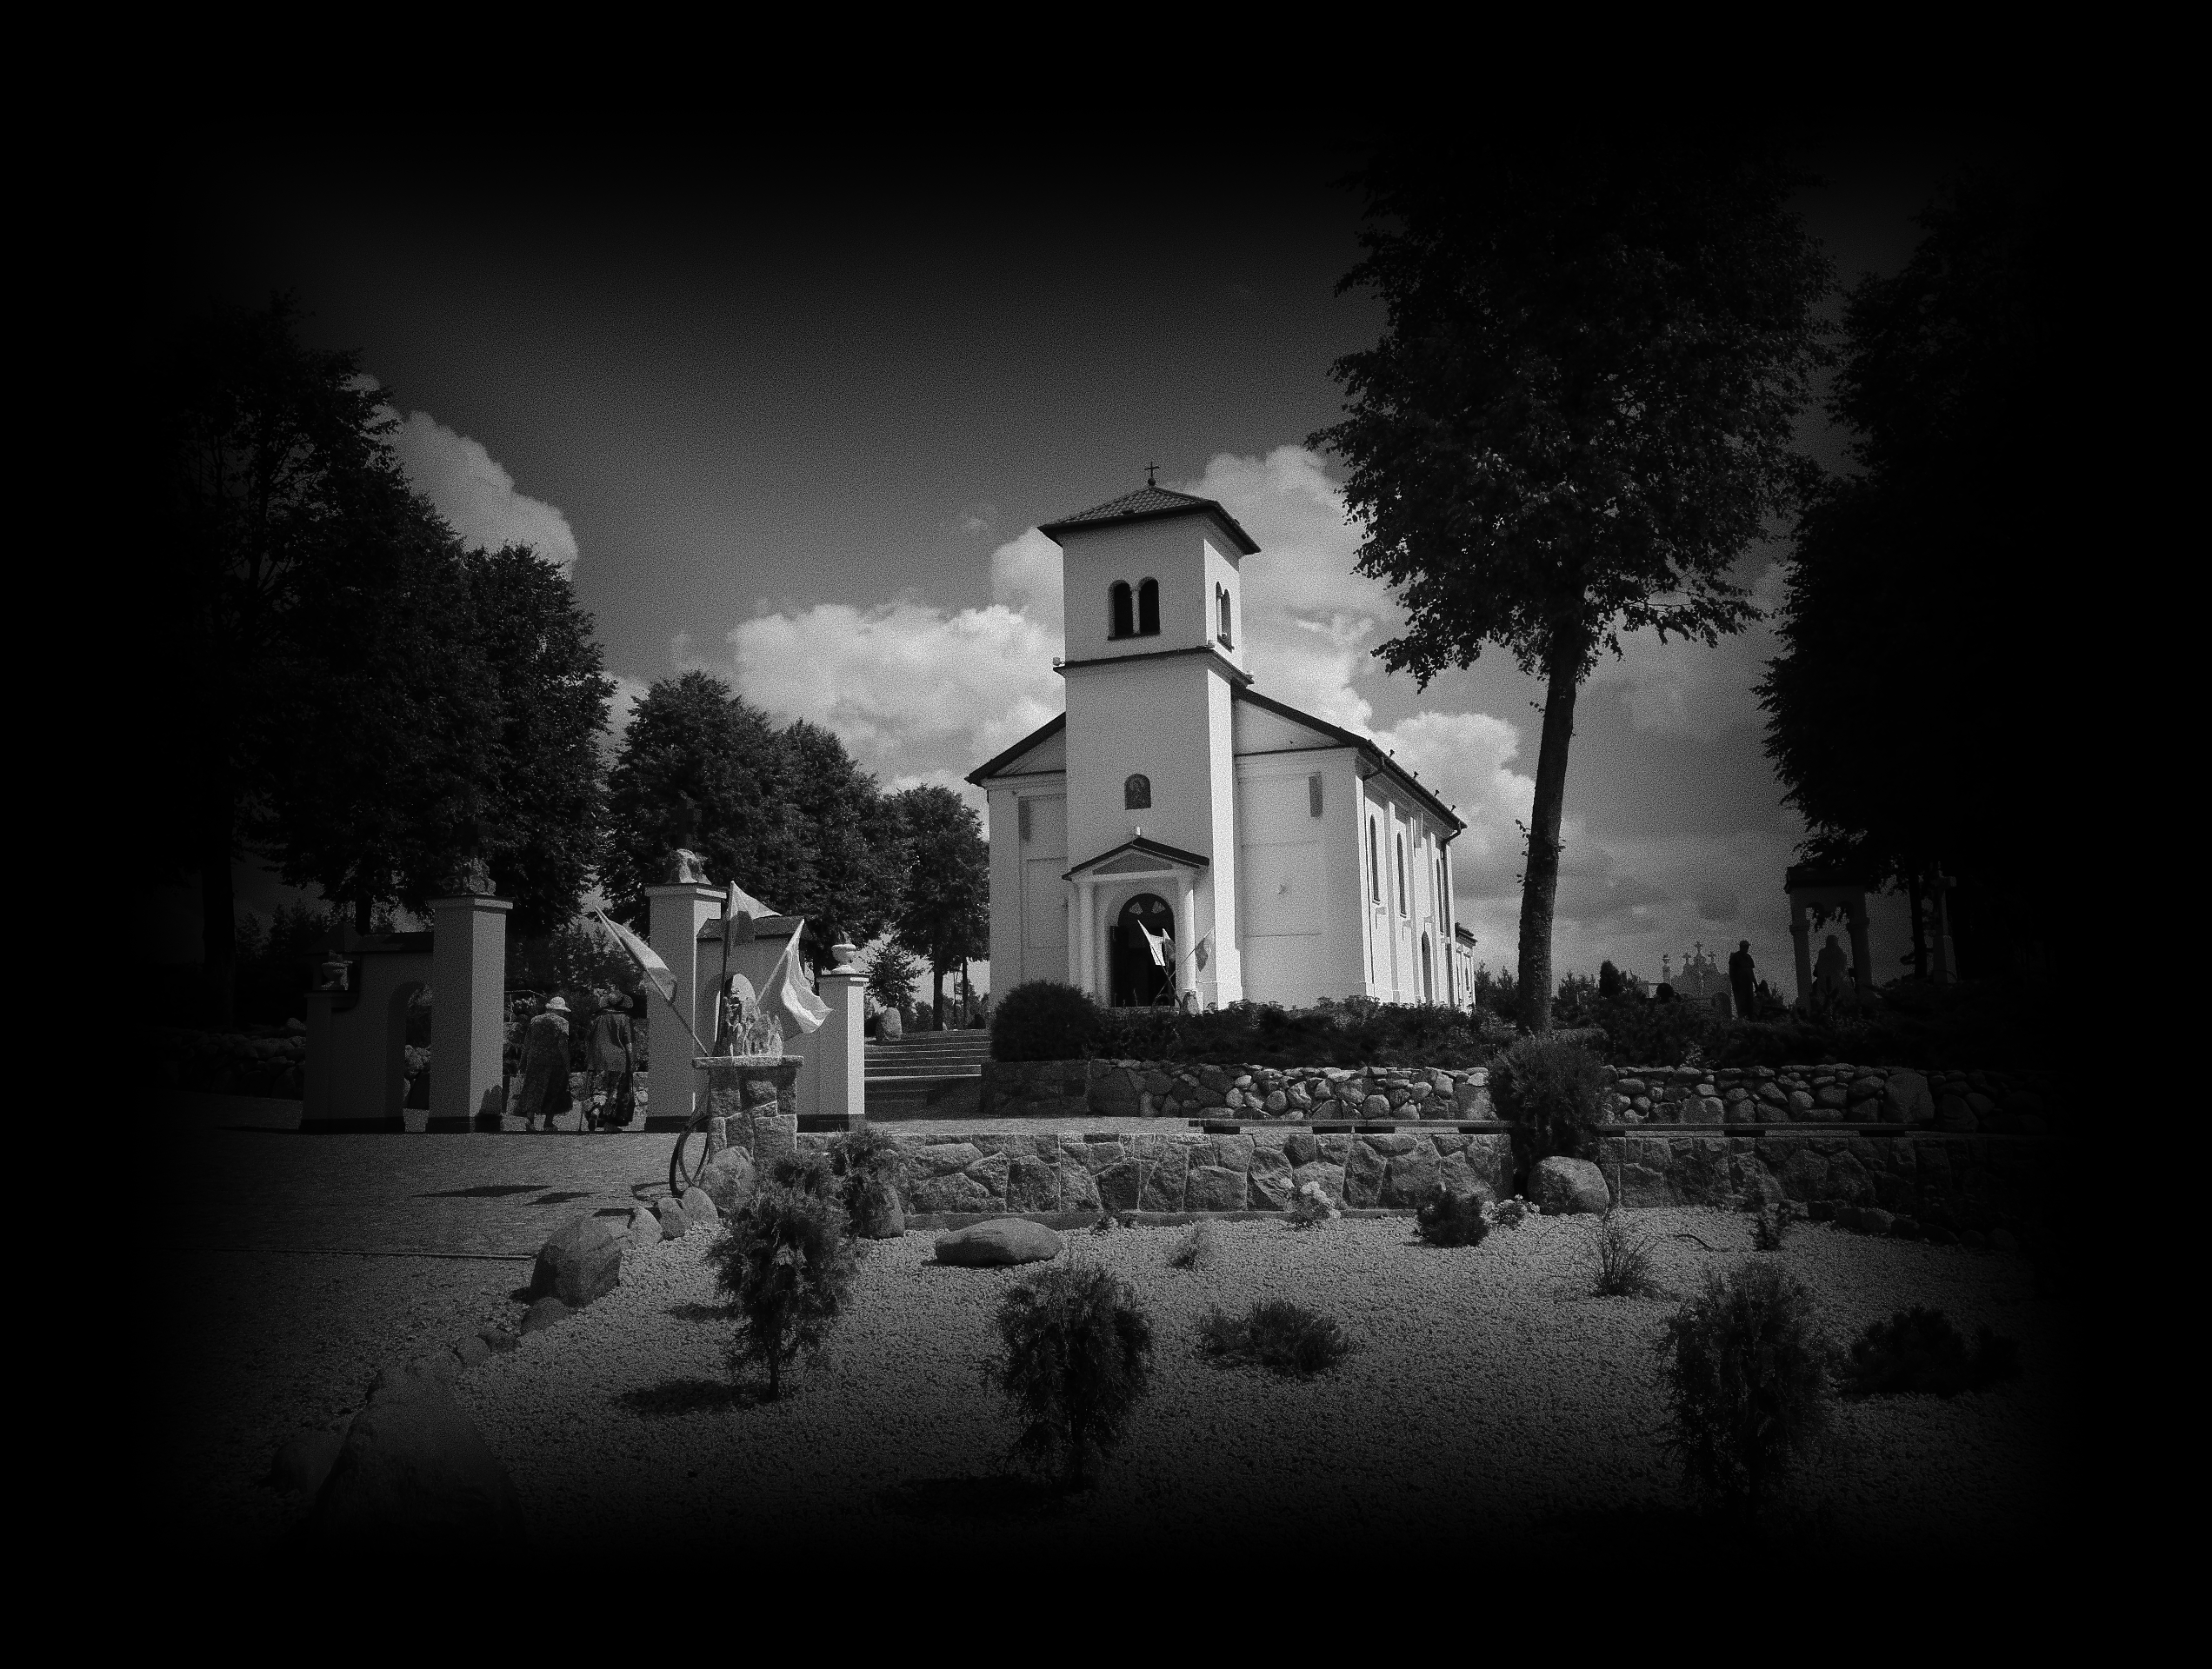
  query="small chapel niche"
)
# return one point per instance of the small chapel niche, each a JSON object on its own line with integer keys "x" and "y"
{"x": 1136, "y": 794}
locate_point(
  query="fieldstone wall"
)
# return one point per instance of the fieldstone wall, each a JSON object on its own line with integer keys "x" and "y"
{"x": 1258, "y": 1170}
{"x": 1956, "y": 1102}
{"x": 1043, "y": 1089}
{"x": 1936, "y": 1186}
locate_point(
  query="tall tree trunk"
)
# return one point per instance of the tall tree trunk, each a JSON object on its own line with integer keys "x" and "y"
{"x": 1539, "y": 882}
{"x": 1919, "y": 897}
{"x": 936, "y": 994}
{"x": 218, "y": 920}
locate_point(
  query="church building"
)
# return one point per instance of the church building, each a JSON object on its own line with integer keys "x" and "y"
{"x": 1175, "y": 834}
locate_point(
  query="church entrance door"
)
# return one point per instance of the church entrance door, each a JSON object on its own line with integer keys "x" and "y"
{"x": 1144, "y": 952}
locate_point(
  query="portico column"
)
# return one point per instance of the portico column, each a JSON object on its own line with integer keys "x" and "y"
{"x": 1861, "y": 955}
{"x": 1800, "y": 936}
{"x": 1941, "y": 888}
{"x": 1187, "y": 934}
{"x": 468, "y": 976}
{"x": 1087, "y": 906}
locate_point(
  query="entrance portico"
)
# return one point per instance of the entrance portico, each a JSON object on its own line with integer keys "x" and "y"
{"x": 1105, "y": 886}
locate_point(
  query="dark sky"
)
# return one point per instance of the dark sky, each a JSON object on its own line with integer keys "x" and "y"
{"x": 759, "y": 382}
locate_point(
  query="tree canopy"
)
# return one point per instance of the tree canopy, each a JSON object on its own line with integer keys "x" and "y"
{"x": 1900, "y": 720}
{"x": 944, "y": 915}
{"x": 1579, "y": 417}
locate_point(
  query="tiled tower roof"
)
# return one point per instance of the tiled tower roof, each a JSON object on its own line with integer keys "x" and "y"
{"x": 1149, "y": 502}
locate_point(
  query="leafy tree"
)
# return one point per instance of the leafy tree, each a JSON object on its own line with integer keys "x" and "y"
{"x": 855, "y": 851}
{"x": 944, "y": 914}
{"x": 701, "y": 767}
{"x": 1579, "y": 417}
{"x": 267, "y": 442}
{"x": 1895, "y": 716}
{"x": 891, "y": 975}
{"x": 1075, "y": 1359}
{"x": 379, "y": 750}
{"x": 540, "y": 813}
{"x": 786, "y": 1261}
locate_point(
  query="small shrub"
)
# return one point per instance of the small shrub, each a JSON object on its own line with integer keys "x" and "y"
{"x": 1772, "y": 1223}
{"x": 1200, "y": 1249}
{"x": 786, "y": 1260}
{"x": 1746, "y": 1371}
{"x": 1077, "y": 1359}
{"x": 1278, "y": 1334}
{"x": 1919, "y": 1350}
{"x": 1511, "y": 1213}
{"x": 1620, "y": 1259}
{"x": 1310, "y": 1205}
{"x": 1452, "y": 1220}
{"x": 1551, "y": 1092}
{"x": 1044, "y": 1020}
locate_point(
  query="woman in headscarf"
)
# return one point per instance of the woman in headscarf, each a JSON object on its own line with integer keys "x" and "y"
{"x": 545, "y": 1066}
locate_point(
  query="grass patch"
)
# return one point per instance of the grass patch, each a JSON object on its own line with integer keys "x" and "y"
{"x": 1619, "y": 1260}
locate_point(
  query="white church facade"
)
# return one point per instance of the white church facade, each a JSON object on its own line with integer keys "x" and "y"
{"x": 1177, "y": 835}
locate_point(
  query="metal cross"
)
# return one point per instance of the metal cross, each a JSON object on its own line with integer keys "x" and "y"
{"x": 1151, "y": 471}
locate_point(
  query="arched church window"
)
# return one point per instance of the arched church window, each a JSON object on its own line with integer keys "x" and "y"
{"x": 1374, "y": 863}
{"x": 1428, "y": 975}
{"x": 1136, "y": 794}
{"x": 1401, "y": 876}
{"x": 1148, "y": 608}
{"x": 1123, "y": 624}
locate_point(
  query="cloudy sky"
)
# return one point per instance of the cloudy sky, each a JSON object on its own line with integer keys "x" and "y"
{"x": 794, "y": 419}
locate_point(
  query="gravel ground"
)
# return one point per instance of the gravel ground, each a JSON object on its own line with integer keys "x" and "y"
{"x": 1487, "y": 1398}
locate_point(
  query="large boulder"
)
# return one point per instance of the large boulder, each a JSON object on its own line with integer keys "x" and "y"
{"x": 675, "y": 1221}
{"x": 1004, "y": 1240}
{"x": 1563, "y": 1184}
{"x": 583, "y": 1261}
{"x": 728, "y": 1180}
{"x": 1906, "y": 1100}
{"x": 412, "y": 1463}
{"x": 699, "y": 1205}
{"x": 889, "y": 1027}
{"x": 644, "y": 1227}
{"x": 878, "y": 1214}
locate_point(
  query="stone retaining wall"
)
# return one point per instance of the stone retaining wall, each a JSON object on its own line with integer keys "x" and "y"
{"x": 1937, "y": 1185}
{"x": 1957, "y": 1102}
{"x": 1169, "y": 1090}
{"x": 1186, "y": 1171}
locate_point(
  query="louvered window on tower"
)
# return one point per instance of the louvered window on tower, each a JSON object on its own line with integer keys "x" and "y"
{"x": 1124, "y": 623}
{"x": 1148, "y": 608}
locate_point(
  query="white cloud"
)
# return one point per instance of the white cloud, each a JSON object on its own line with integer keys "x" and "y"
{"x": 917, "y": 694}
{"x": 473, "y": 491}
{"x": 1685, "y": 688}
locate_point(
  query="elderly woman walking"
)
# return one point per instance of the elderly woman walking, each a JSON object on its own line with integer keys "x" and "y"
{"x": 613, "y": 1060}
{"x": 546, "y": 1067}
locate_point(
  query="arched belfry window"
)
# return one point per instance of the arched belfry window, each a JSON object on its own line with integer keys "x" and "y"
{"x": 1221, "y": 608}
{"x": 1148, "y": 608}
{"x": 1136, "y": 794}
{"x": 1125, "y": 624}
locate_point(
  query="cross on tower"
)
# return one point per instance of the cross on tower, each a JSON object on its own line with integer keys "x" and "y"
{"x": 1151, "y": 471}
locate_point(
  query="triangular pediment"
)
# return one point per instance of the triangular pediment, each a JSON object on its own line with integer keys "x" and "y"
{"x": 1138, "y": 857}
{"x": 1044, "y": 749}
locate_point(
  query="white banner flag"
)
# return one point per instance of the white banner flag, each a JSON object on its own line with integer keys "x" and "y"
{"x": 787, "y": 995}
{"x": 657, "y": 971}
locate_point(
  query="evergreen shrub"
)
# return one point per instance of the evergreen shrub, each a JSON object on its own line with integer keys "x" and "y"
{"x": 1551, "y": 1091}
{"x": 1919, "y": 1350}
{"x": 1075, "y": 1359}
{"x": 1746, "y": 1371}
{"x": 786, "y": 1262}
{"x": 1452, "y": 1220}
{"x": 1045, "y": 1020}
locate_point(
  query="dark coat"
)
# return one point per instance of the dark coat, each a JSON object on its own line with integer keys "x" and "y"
{"x": 611, "y": 1049}
{"x": 545, "y": 1069}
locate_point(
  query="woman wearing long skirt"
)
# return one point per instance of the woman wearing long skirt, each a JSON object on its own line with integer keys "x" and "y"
{"x": 546, "y": 1067}
{"x": 613, "y": 1059}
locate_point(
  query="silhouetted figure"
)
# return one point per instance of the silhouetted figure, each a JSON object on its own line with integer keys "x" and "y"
{"x": 546, "y": 1067}
{"x": 1832, "y": 976}
{"x": 1741, "y": 975}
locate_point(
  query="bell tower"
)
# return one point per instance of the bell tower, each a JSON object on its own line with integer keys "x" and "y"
{"x": 1153, "y": 623}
